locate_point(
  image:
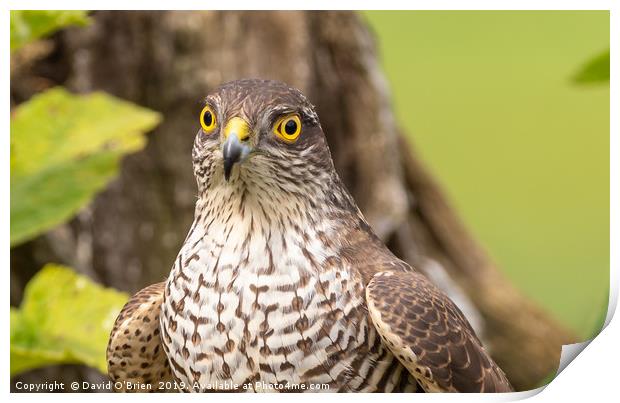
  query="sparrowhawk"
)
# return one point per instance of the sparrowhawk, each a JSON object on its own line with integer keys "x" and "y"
{"x": 281, "y": 284}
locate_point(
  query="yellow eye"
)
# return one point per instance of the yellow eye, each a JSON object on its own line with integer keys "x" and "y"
{"x": 207, "y": 119}
{"x": 288, "y": 128}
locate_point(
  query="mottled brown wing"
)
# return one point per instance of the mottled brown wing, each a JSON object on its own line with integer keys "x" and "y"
{"x": 430, "y": 336}
{"x": 136, "y": 360}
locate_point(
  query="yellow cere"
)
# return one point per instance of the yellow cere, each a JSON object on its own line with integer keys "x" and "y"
{"x": 238, "y": 126}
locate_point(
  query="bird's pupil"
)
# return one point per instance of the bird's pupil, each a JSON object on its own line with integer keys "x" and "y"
{"x": 208, "y": 119}
{"x": 290, "y": 127}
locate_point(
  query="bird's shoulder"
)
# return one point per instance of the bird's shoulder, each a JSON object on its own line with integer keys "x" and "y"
{"x": 430, "y": 335}
{"x": 135, "y": 353}
{"x": 365, "y": 253}
{"x": 420, "y": 324}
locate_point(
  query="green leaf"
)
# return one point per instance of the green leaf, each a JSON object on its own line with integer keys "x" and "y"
{"x": 29, "y": 25}
{"x": 64, "y": 149}
{"x": 64, "y": 318}
{"x": 595, "y": 71}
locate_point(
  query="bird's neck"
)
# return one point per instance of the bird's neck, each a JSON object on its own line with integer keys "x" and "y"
{"x": 236, "y": 223}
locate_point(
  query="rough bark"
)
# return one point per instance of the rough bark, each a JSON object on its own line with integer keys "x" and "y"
{"x": 169, "y": 61}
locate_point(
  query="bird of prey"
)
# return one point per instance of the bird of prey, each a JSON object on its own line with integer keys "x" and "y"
{"x": 281, "y": 284}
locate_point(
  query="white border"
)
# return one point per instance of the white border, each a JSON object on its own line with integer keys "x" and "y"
{"x": 592, "y": 375}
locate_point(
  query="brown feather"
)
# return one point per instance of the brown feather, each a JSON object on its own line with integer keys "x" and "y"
{"x": 136, "y": 360}
{"x": 407, "y": 310}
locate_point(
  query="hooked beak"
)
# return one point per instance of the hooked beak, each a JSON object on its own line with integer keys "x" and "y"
{"x": 234, "y": 148}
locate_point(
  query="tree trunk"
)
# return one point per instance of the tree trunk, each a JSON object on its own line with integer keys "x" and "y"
{"x": 168, "y": 61}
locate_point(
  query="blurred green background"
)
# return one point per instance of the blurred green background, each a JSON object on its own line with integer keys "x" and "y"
{"x": 490, "y": 102}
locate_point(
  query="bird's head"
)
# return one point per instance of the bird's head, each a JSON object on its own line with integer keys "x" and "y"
{"x": 259, "y": 132}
